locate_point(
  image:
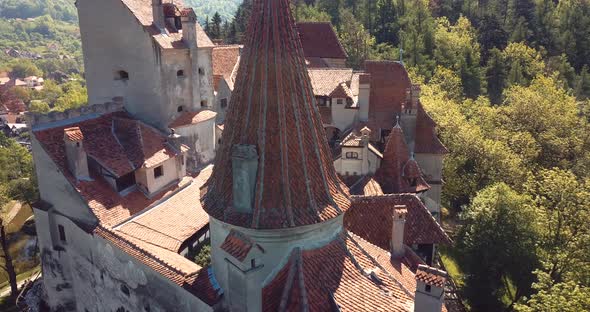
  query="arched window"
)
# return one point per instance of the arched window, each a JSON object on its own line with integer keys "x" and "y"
{"x": 180, "y": 73}
{"x": 122, "y": 75}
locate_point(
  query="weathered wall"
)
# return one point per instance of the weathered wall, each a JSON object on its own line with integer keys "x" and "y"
{"x": 177, "y": 90}
{"x": 336, "y": 63}
{"x": 55, "y": 189}
{"x": 106, "y": 279}
{"x": 204, "y": 57}
{"x": 201, "y": 139}
{"x": 277, "y": 245}
{"x": 223, "y": 92}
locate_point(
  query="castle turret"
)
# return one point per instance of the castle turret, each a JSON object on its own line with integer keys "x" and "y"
{"x": 273, "y": 181}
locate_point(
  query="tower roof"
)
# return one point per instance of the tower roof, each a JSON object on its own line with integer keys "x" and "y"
{"x": 273, "y": 109}
{"x": 395, "y": 156}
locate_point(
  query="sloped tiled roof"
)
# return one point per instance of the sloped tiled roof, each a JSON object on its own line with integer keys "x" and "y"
{"x": 169, "y": 224}
{"x": 325, "y": 81}
{"x": 342, "y": 91}
{"x": 348, "y": 274}
{"x": 320, "y": 40}
{"x": 237, "y": 244}
{"x": 225, "y": 58}
{"x": 191, "y": 118}
{"x": 427, "y": 141}
{"x": 431, "y": 276}
{"x": 273, "y": 110}
{"x": 371, "y": 217}
{"x": 73, "y": 134}
{"x": 390, "y": 174}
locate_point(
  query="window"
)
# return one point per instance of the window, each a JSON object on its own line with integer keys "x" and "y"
{"x": 201, "y": 71}
{"x": 428, "y": 288}
{"x": 77, "y": 144}
{"x": 352, "y": 155}
{"x": 125, "y": 290}
{"x": 223, "y": 103}
{"x": 340, "y": 101}
{"x": 158, "y": 172}
{"x": 180, "y": 108}
{"x": 180, "y": 74}
{"x": 203, "y": 103}
{"x": 122, "y": 75}
{"x": 62, "y": 233}
{"x": 253, "y": 263}
{"x": 321, "y": 101}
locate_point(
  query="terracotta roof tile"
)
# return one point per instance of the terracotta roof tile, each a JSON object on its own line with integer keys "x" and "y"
{"x": 389, "y": 82}
{"x": 342, "y": 91}
{"x": 348, "y": 273}
{"x": 326, "y": 81}
{"x": 109, "y": 207}
{"x": 191, "y": 118}
{"x": 320, "y": 40}
{"x": 173, "y": 222}
{"x": 371, "y": 218}
{"x": 431, "y": 276}
{"x": 273, "y": 109}
{"x": 315, "y": 62}
{"x": 225, "y": 59}
{"x": 427, "y": 141}
{"x": 237, "y": 244}
{"x": 73, "y": 134}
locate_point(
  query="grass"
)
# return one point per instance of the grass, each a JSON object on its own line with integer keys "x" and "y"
{"x": 22, "y": 276}
{"x": 449, "y": 258}
{"x": 7, "y": 305}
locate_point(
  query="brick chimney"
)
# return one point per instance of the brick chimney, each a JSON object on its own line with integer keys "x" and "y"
{"x": 75, "y": 153}
{"x": 397, "y": 232}
{"x": 430, "y": 289}
{"x": 158, "y": 15}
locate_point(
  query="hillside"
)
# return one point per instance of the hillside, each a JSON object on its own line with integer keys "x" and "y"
{"x": 204, "y": 8}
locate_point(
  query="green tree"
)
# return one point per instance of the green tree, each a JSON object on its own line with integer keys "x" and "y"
{"x": 556, "y": 297}
{"x": 386, "y": 27}
{"x": 355, "y": 39}
{"x": 417, "y": 35}
{"x": 583, "y": 84}
{"x": 496, "y": 76}
{"x": 497, "y": 243}
{"x": 25, "y": 68}
{"x": 215, "y": 32}
{"x": 524, "y": 63}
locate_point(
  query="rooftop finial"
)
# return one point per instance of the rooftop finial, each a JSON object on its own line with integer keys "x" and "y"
{"x": 397, "y": 125}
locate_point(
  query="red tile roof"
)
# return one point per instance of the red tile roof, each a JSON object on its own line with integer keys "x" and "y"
{"x": 237, "y": 244}
{"x": 341, "y": 91}
{"x": 348, "y": 274}
{"x": 396, "y": 162}
{"x": 371, "y": 217}
{"x": 225, "y": 59}
{"x": 389, "y": 82}
{"x": 273, "y": 109}
{"x": 109, "y": 207}
{"x": 431, "y": 276}
{"x": 191, "y": 118}
{"x": 171, "y": 223}
{"x": 73, "y": 134}
{"x": 320, "y": 40}
{"x": 427, "y": 141}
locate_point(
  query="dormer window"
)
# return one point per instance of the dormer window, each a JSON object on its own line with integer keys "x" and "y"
{"x": 340, "y": 101}
{"x": 352, "y": 155}
{"x": 180, "y": 73}
{"x": 203, "y": 103}
{"x": 122, "y": 75}
{"x": 158, "y": 172}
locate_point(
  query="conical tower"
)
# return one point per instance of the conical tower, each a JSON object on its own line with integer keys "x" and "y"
{"x": 274, "y": 169}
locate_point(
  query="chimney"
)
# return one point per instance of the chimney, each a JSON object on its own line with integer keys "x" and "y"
{"x": 430, "y": 289}
{"x": 158, "y": 15}
{"x": 364, "y": 96}
{"x": 397, "y": 233}
{"x": 244, "y": 169}
{"x": 189, "y": 27}
{"x": 365, "y": 135}
{"x": 75, "y": 153}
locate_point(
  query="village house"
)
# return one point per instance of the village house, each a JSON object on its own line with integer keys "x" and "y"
{"x": 120, "y": 213}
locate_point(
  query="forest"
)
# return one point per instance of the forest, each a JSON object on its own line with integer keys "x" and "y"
{"x": 508, "y": 84}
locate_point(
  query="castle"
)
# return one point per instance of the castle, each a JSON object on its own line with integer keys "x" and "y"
{"x": 321, "y": 197}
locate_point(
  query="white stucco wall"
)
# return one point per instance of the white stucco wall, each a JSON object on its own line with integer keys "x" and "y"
{"x": 343, "y": 118}
{"x": 201, "y": 139}
{"x": 121, "y": 43}
{"x": 171, "y": 172}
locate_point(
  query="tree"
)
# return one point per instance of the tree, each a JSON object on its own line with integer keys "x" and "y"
{"x": 556, "y": 297}
{"x": 497, "y": 243}
{"x": 216, "y": 26}
{"x": 417, "y": 36}
{"x": 386, "y": 27}
{"x": 310, "y": 13}
{"x": 25, "y": 68}
{"x": 496, "y": 76}
{"x": 8, "y": 265}
{"x": 583, "y": 84}
{"x": 491, "y": 36}
{"x": 524, "y": 63}
{"x": 355, "y": 39}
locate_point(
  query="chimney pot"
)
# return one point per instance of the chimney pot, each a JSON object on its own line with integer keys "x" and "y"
{"x": 75, "y": 153}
